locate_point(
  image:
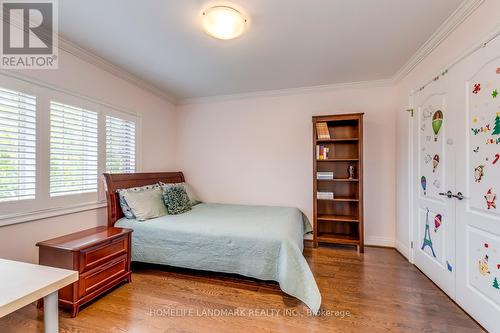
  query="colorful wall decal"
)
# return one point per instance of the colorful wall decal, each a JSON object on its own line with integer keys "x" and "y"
{"x": 483, "y": 266}
{"x": 495, "y": 160}
{"x": 435, "y": 162}
{"x": 427, "y": 235}
{"x": 477, "y": 88}
{"x": 437, "y": 222}
{"x": 494, "y": 93}
{"x": 496, "y": 129}
{"x": 483, "y": 129}
{"x": 476, "y": 150}
{"x": 448, "y": 265}
{"x": 490, "y": 199}
{"x": 479, "y": 173}
{"x": 493, "y": 141}
{"x": 437, "y": 122}
{"x": 495, "y": 283}
{"x": 423, "y": 183}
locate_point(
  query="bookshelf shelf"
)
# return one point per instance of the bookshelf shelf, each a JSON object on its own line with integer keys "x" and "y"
{"x": 341, "y": 199}
{"x": 338, "y": 140}
{"x": 338, "y": 218}
{"x": 338, "y": 239}
{"x": 338, "y": 180}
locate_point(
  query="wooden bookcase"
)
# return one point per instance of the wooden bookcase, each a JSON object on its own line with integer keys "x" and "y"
{"x": 339, "y": 220}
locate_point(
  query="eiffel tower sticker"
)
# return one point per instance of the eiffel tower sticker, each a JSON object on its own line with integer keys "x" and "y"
{"x": 427, "y": 235}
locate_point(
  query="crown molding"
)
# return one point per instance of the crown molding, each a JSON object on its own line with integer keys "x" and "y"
{"x": 290, "y": 91}
{"x": 466, "y": 8}
{"x": 111, "y": 68}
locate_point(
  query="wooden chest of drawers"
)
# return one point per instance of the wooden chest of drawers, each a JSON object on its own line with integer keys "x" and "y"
{"x": 100, "y": 255}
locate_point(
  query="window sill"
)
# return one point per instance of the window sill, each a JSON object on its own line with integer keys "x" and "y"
{"x": 16, "y": 218}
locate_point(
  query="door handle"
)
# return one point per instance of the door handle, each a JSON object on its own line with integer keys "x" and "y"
{"x": 459, "y": 196}
{"x": 448, "y": 194}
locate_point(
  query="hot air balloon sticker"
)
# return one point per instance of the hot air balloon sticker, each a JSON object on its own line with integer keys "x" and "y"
{"x": 437, "y": 121}
{"x": 423, "y": 182}
{"x": 437, "y": 222}
{"x": 435, "y": 162}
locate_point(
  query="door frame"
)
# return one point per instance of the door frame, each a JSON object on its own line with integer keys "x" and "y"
{"x": 410, "y": 182}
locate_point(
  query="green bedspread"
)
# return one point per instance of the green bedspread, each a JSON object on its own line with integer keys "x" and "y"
{"x": 262, "y": 242}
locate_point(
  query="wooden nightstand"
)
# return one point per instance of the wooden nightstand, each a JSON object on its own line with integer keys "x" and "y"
{"x": 101, "y": 256}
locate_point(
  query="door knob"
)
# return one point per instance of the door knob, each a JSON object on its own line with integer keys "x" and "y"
{"x": 459, "y": 196}
{"x": 448, "y": 194}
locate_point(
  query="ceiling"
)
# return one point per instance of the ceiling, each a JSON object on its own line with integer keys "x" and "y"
{"x": 289, "y": 43}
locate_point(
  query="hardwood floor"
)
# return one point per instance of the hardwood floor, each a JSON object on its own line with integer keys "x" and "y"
{"x": 378, "y": 291}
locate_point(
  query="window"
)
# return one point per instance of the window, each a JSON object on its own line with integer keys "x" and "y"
{"x": 73, "y": 150}
{"x": 54, "y": 147}
{"x": 17, "y": 145}
{"x": 120, "y": 145}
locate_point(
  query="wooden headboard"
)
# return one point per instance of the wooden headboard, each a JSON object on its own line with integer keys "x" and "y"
{"x": 118, "y": 181}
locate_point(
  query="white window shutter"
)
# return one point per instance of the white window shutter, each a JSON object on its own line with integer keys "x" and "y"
{"x": 120, "y": 145}
{"x": 17, "y": 145}
{"x": 73, "y": 150}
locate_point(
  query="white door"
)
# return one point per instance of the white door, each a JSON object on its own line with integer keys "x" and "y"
{"x": 478, "y": 178}
{"x": 434, "y": 175}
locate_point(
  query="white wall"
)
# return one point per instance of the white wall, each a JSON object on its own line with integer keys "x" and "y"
{"x": 482, "y": 22}
{"x": 157, "y": 146}
{"x": 258, "y": 150}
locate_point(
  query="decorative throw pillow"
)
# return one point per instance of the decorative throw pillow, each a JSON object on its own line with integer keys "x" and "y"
{"x": 176, "y": 199}
{"x": 123, "y": 203}
{"x": 146, "y": 204}
{"x": 193, "y": 199}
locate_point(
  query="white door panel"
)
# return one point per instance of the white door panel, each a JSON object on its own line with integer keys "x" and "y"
{"x": 434, "y": 215}
{"x": 478, "y": 178}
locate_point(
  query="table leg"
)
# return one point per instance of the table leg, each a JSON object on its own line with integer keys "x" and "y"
{"x": 51, "y": 312}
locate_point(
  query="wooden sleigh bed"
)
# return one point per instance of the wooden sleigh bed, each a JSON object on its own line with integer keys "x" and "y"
{"x": 261, "y": 242}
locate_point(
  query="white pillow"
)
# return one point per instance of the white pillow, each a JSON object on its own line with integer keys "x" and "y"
{"x": 146, "y": 204}
{"x": 193, "y": 199}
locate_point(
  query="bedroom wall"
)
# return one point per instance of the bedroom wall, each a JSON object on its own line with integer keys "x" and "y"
{"x": 472, "y": 31}
{"x": 18, "y": 241}
{"x": 258, "y": 150}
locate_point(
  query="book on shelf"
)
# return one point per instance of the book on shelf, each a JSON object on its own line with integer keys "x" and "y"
{"x": 325, "y": 195}
{"x": 322, "y": 152}
{"x": 324, "y": 175}
{"x": 322, "y": 131}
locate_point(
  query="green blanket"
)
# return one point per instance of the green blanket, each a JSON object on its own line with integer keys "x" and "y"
{"x": 262, "y": 242}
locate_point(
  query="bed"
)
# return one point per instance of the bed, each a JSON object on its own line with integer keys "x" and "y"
{"x": 261, "y": 242}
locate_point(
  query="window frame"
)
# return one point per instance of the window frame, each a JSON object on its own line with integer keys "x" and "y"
{"x": 43, "y": 205}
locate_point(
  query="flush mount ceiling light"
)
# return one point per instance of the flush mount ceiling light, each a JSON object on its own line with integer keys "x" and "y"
{"x": 223, "y": 22}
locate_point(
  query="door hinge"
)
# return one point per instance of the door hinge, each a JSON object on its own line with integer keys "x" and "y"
{"x": 410, "y": 111}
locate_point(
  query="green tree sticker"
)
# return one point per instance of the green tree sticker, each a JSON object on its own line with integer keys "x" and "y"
{"x": 495, "y": 284}
{"x": 496, "y": 129}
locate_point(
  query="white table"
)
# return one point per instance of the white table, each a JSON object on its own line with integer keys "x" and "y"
{"x": 22, "y": 283}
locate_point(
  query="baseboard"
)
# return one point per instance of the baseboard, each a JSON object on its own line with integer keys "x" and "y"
{"x": 379, "y": 241}
{"x": 403, "y": 249}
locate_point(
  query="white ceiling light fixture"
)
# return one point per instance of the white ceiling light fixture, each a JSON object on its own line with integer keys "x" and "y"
{"x": 223, "y": 22}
